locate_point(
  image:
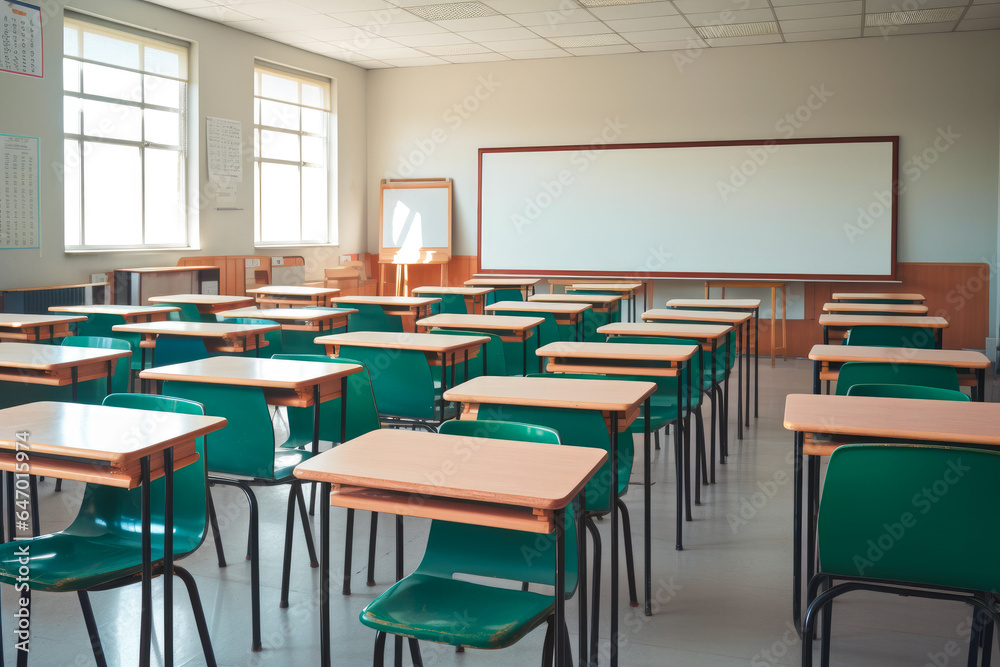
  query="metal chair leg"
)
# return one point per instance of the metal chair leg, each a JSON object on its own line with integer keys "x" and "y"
{"x": 629, "y": 555}
{"x": 213, "y": 519}
{"x": 286, "y": 561}
{"x": 379, "y": 660}
{"x": 415, "y": 653}
{"x": 95, "y": 637}
{"x": 547, "y": 644}
{"x": 595, "y": 598}
{"x": 372, "y": 535}
{"x": 199, "y": 615}
{"x": 348, "y": 552}
{"x": 306, "y": 528}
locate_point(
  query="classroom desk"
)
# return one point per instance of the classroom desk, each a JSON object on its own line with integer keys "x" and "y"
{"x": 519, "y": 485}
{"x": 27, "y": 328}
{"x": 773, "y": 286}
{"x": 57, "y": 366}
{"x": 129, "y": 313}
{"x": 824, "y": 357}
{"x": 744, "y": 305}
{"x": 625, "y": 290}
{"x": 858, "y": 308}
{"x": 741, "y": 321}
{"x": 136, "y": 286}
{"x": 510, "y": 328}
{"x": 666, "y": 361}
{"x": 115, "y": 447}
{"x": 219, "y": 337}
{"x": 408, "y": 308}
{"x": 568, "y": 314}
{"x": 879, "y": 296}
{"x": 619, "y": 403}
{"x": 440, "y": 349}
{"x": 296, "y": 319}
{"x": 526, "y": 285}
{"x": 293, "y": 295}
{"x": 867, "y": 419}
{"x": 601, "y": 303}
{"x": 207, "y": 304}
{"x": 708, "y": 335}
{"x": 841, "y": 324}
{"x": 475, "y": 297}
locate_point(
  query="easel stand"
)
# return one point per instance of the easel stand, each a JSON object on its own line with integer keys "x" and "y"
{"x": 403, "y": 277}
{"x": 773, "y": 287}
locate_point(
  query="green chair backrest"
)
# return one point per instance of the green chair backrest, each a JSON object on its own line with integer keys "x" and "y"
{"x": 178, "y": 349}
{"x": 911, "y": 513}
{"x": 616, "y": 316}
{"x": 92, "y": 392}
{"x": 275, "y": 342}
{"x": 109, "y": 509}
{"x": 506, "y": 294}
{"x": 246, "y": 445}
{"x": 923, "y": 375}
{"x": 100, "y": 324}
{"x": 188, "y": 313}
{"x": 371, "y": 317}
{"x": 580, "y": 428}
{"x": 877, "y": 336}
{"x": 548, "y": 330}
{"x": 907, "y": 391}
{"x": 496, "y": 360}
{"x": 402, "y": 380}
{"x": 362, "y": 413}
{"x": 450, "y": 303}
{"x": 699, "y": 364}
{"x": 513, "y": 555}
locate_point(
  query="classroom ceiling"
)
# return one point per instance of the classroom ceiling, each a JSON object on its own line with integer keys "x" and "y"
{"x": 406, "y": 33}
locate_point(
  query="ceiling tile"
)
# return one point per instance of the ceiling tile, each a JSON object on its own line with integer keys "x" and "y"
{"x": 505, "y": 46}
{"x": 566, "y": 29}
{"x": 386, "y": 17}
{"x": 982, "y": 11}
{"x": 483, "y": 23}
{"x": 819, "y": 10}
{"x": 183, "y": 4}
{"x": 516, "y": 6}
{"x": 992, "y": 23}
{"x": 338, "y": 34}
{"x": 219, "y": 14}
{"x": 889, "y": 31}
{"x": 310, "y": 22}
{"x": 876, "y": 6}
{"x": 787, "y": 3}
{"x": 328, "y": 6}
{"x": 294, "y": 38}
{"x": 392, "y": 52}
{"x": 701, "y": 6}
{"x": 436, "y": 39}
{"x": 638, "y": 11}
{"x": 731, "y": 18}
{"x": 744, "y": 41}
{"x": 372, "y": 64}
{"x": 829, "y": 23}
{"x": 674, "y": 35}
{"x": 603, "y": 50}
{"x": 274, "y": 9}
{"x": 475, "y": 58}
{"x": 497, "y": 35}
{"x": 531, "y": 19}
{"x": 415, "y": 62}
{"x": 681, "y": 45}
{"x": 408, "y": 28}
{"x": 818, "y": 35}
{"x": 541, "y": 53}
{"x": 256, "y": 26}
{"x": 649, "y": 23}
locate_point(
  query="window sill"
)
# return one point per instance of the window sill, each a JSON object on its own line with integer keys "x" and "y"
{"x": 106, "y": 251}
{"x": 278, "y": 246}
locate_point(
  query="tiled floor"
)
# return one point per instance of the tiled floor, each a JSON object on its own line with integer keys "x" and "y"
{"x": 723, "y": 601}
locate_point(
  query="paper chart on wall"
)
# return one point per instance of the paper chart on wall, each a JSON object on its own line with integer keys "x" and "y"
{"x": 225, "y": 152}
{"x": 21, "y": 38}
{"x": 19, "y": 212}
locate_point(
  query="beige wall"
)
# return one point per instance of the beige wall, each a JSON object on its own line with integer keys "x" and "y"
{"x": 222, "y": 86}
{"x": 914, "y": 86}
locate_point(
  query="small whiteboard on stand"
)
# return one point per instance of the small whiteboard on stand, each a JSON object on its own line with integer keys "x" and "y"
{"x": 416, "y": 221}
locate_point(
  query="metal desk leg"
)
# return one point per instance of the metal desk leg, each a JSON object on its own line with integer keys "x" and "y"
{"x": 580, "y": 517}
{"x": 746, "y": 353}
{"x": 146, "y": 623}
{"x": 647, "y": 518}
{"x": 980, "y": 384}
{"x": 168, "y": 557}
{"x": 739, "y": 388}
{"x": 756, "y": 362}
{"x": 324, "y": 574}
{"x": 558, "y": 635}
{"x": 614, "y": 539}
{"x": 797, "y": 536}
{"x": 816, "y": 381}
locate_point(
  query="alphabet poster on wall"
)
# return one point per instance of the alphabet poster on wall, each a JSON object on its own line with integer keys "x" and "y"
{"x": 21, "y": 38}
{"x": 19, "y": 213}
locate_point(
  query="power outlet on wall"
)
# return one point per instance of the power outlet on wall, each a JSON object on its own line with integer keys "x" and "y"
{"x": 98, "y": 277}
{"x": 277, "y": 261}
{"x": 252, "y": 263}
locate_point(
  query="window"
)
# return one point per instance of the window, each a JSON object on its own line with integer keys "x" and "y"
{"x": 291, "y": 117}
{"x": 124, "y": 97}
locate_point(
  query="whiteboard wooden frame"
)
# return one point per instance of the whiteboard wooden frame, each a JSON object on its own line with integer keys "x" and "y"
{"x": 894, "y": 186}
{"x": 426, "y": 255}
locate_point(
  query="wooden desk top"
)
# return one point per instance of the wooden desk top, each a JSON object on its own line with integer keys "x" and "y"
{"x": 425, "y": 342}
{"x": 489, "y": 322}
{"x": 670, "y": 330}
{"x": 883, "y": 320}
{"x": 201, "y": 299}
{"x": 251, "y": 371}
{"x": 861, "y": 296}
{"x": 878, "y": 417}
{"x": 880, "y": 308}
{"x": 623, "y": 352}
{"x": 202, "y": 329}
{"x": 165, "y": 269}
{"x": 609, "y": 287}
{"x": 35, "y": 289}
{"x": 20, "y": 321}
{"x": 294, "y": 290}
{"x": 748, "y": 304}
{"x": 53, "y": 357}
{"x": 404, "y": 301}
{"x": 502, "y": 282}
{"x": 464, "y": 291}
{"x": 540, "y": 306}
{"x": 554, "y": 392}
{"x": 678, "y": 315}
{"x": 905, "y": 355}
{"x": 592, "y": 299}
{"x": 112, "y": 309}
{"x": 116, "y": 436}
{"x": 288, "y": 314}
{"x": 506, "y": 472}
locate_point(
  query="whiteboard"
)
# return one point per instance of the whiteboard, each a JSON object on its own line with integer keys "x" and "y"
{"x": 415, "y": 221}
{"x": 819, "y": 209}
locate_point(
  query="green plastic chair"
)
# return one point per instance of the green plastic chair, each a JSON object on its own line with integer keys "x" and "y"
{"x": 923, "y": 375}
{"x": 93, "y": 392}
{"x": 937, "y": 544}
{"x": 371, "y": 317}
{"x": 450, "y": 303}
{"x": 243, "y": 454}
{"x": 547, "y": 332}
{"x": 506, "y": 294}
{"x": 275, "y": 338}
{"x": 496, "y": 361}
{"x": 188, "y": 313}
{"x": 432, "y": 604}
{"x": 585, "y": 428}
{"x": 101, "y": 324}
{"x": 878, "y": 336}
{"x": 178, "y": 349}
{"x": 907, "y": 391}
{"x": 102, "y": 548}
